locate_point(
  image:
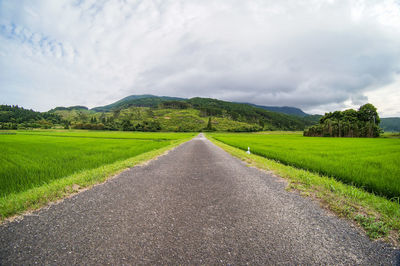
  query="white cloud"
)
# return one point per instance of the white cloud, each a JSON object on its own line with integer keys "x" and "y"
{"x": 317, "y": 55}
{"x": 387, "y": 98}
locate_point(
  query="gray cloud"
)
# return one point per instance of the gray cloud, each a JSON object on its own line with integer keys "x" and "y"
{"x": 317, "y": 55}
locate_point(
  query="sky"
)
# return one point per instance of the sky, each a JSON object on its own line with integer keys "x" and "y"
{"x": 318, "y": 55}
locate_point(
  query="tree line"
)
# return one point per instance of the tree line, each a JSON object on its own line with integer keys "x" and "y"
{"x": 15, "y": 117}
{"x": 349, "y": 123}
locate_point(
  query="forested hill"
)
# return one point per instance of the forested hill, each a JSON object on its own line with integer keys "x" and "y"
{"x": 283, "y": 109}
{"x": 207, "y": 107}
{"x": 153, "y": 101}
{"x": 390, "y": 124}
{"x": 146, "y": 100}
{"x": 154, "y": 113}
{"x": 14, "y": 117}
{"x": 247, "y": 113}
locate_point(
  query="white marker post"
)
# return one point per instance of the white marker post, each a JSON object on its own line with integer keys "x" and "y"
{"x": 248, "y": 150}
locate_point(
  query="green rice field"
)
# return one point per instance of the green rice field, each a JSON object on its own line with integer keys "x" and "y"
{"x": 372, "y": 164}
{"x": 30, "y": 159}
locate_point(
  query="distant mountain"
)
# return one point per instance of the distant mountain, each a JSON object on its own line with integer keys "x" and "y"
{"x": 206, "y": 107}
{"x": 283, "y": 109}
{"x": 148, "y": 100}
{"x": 312, "y": 119}
{"x": 163, "y": 113}
{"x": 390, "y": 124}
{"x": 145, "y": 100}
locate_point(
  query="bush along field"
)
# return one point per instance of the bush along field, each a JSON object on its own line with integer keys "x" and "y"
{"x": 378, "y": 216}
{"x": 33, "y": 161}
{"x": 371, "y": 164}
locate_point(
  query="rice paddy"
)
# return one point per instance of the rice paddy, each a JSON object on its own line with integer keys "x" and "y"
{"x": 31, "y": 159}
{"x": 369, "y": 163}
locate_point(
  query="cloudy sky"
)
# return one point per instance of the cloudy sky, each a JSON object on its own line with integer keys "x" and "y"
{"x": 318, "y": 55}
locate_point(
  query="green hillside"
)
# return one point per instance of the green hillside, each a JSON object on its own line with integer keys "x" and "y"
{"x": 154, "y": 113}
{"x": 152, "y": 119}
{"x": 238, "y": 114}
{"x": 248, "y": 114}
{"x": 242, "y": 112}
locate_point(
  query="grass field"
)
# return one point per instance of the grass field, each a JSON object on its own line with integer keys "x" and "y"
{"x": 34, "y": 158}
{"x": 372, "y": 164}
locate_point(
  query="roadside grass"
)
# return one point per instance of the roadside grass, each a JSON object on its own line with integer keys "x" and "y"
{"x": 378, "y": 216}
{"x": 37, "y": 197}
{"x": 372, "y": 164}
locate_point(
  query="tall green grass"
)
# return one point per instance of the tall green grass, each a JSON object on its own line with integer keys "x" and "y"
{"x": 372, "y": 164}
{"x": 30, "y": 159}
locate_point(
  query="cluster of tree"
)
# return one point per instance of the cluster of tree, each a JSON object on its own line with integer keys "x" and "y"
{"x": 76, "y": 107}
{"x": 92, "y": 126}
{"x": 115, "y": 125}
{"x": 174, "y": 105}
{"x": 14, "y": 117}
{"x": 249, "y": 128}
{"x": 145, "y": 125}
{"x": 209, "y": 126}
{"x": 8, "y": 125}
{"x": 349, "y": 123}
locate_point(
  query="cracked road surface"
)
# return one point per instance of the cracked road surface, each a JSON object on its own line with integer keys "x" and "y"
{"x": 195, "y": 205}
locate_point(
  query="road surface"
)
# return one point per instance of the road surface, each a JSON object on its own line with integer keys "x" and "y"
{"x": 195, "y": 205}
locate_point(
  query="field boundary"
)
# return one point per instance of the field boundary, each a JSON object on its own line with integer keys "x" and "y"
{"x": 15, "y": 205}
{"x": 377, "y": 216}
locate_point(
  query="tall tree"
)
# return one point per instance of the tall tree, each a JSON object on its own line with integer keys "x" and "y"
{"x": 209, "y": 124}
{"x": 368, "y": 113}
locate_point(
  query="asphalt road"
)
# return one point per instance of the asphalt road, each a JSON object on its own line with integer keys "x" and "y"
{"x": 195, "y": 205}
